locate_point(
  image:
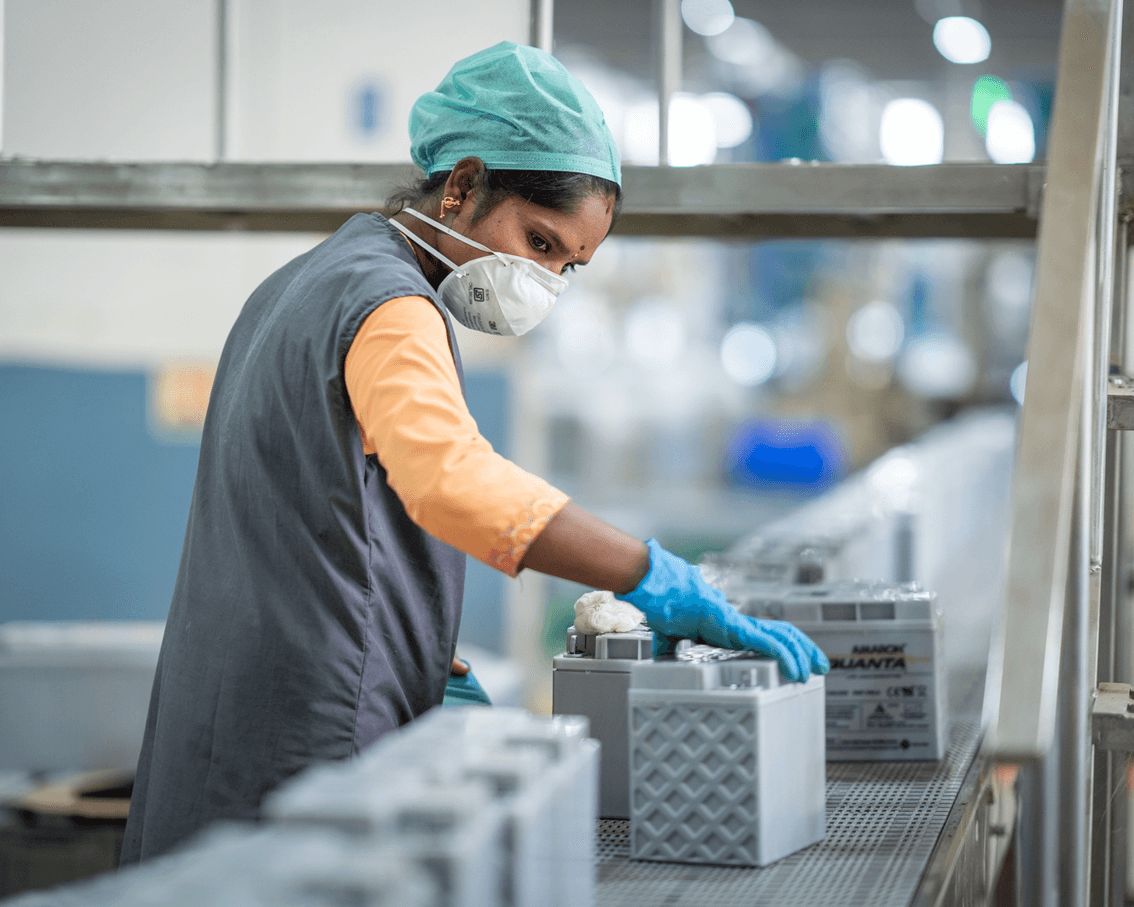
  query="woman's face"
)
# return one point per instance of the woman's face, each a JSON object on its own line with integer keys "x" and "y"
{"x": 558, "y": 240}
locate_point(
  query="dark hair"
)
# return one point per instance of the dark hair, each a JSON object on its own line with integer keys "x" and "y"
{"x": 559, "y": 191}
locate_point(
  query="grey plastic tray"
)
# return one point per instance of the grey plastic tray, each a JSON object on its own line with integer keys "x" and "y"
{"x": 883, "y": 822}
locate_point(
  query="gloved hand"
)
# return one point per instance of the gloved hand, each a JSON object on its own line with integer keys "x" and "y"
{"x": 679, "y": 604}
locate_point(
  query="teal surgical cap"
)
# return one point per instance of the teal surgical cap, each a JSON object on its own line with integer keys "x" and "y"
{"x": 515, "y": 108}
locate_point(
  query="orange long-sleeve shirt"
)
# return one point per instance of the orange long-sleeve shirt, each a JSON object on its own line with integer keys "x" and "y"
{"x": 407, "y": 400}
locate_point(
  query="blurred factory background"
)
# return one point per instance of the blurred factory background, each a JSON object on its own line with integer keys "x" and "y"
{"x": 691, "y": 389}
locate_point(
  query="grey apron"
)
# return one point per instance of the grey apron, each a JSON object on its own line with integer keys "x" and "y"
{"x": 310, "y": 615}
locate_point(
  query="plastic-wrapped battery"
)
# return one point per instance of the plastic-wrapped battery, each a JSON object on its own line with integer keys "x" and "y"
{"x": 245, "y": 866}
{"x": 550, "y": 811}
{"x": 726, "y": 760}
{"x": 886, "y": 691}
{"x": 564, "y": 779}
{"x": 573, "y": 778}
{"x": 774, "y": 560}
{"x": 452, "y": 832}
{"x": 592, "y": 678}
{"x": 517, "y": 779}
{"x": 539, "y": 774}
{"x": 934, "y": 511}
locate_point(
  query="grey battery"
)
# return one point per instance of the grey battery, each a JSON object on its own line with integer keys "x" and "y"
{"x": 592, "y": 678}
{"x": 886, "y": 692}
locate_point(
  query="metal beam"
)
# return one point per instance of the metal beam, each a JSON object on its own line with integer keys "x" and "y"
{"x": 816, "y": 200}
{"x": 732, "y": 200}
{"x": 1025, "y": 667}
{"x": 192, "y": 196}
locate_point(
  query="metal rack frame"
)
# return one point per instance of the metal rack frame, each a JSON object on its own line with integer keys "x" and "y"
{"x": 1065, "y": 625}
{"x": 728, "y": 201}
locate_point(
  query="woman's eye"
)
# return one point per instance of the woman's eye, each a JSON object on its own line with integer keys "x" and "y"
{"x": 540, "y": 244}
{"x": 568, "y": 268}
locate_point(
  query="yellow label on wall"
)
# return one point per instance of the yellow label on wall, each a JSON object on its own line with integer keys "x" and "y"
{"x": 179, "y": 397}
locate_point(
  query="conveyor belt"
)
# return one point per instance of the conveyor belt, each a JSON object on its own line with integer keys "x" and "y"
{"x": 883, "y": 822}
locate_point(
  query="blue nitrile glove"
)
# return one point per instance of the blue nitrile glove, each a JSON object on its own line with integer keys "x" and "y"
{"x": 679, "y": 604}
{"x": 464, "y": 690}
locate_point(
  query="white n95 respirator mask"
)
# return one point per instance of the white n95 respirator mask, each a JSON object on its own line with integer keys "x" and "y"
{"x": 497, "y": 294}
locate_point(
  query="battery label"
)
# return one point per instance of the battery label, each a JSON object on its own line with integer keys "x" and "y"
{"x": 882, "y": 693}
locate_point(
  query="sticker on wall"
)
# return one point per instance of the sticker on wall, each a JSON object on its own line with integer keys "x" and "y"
{"x": 178, "y": 399}
{"x": 369, "y": 109}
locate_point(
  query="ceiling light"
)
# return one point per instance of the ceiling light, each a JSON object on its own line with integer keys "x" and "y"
{"x": 1011, "y": 137}
{"x": 911, "y": 133}
{"x": 707, "y": 17}
{"x": 748, "y": 354}
{"x": 960, "y": 39}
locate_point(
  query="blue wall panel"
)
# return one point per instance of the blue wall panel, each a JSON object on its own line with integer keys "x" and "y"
{"x": 93, "y": 505}
{"x": 482, "y": 623}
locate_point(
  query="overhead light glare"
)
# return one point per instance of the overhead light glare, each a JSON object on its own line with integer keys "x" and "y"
{"x": 1011, "y": 135}
{"x": 937, "y": 366}
{"x": 744, "y": 43}
{"x": 960, "y": 39}
{"x": 655, "y": 334}
{"x": 748, "y": 354}
{"x": 875, "y": 332}
{"x": 987, "y": 91}
{"x": 707, "y": 17}
{"x": 731, "y": 117}
{"x": 911, "y": 133}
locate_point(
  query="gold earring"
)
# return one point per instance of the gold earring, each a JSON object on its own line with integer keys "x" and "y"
{"x": 446, "y": 203}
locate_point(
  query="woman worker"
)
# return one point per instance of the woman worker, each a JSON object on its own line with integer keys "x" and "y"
{"x": 342, "y": 480}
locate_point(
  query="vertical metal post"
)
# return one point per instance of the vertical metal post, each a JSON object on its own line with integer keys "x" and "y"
{"x": 1108, "y": 869}
{"x": 1106, "y": 884}
{"x": 1110, "y": 789}
{"x": 669, "y": 68}
{"x": 1123, "y": 345}
{"x": 1104, "y": 294}
{"x": 1070, "y": 851}
{"x": 3, "y": 38}
{"x": 1122, "y": 868}
{"x": 543, "y": 22}
{"x": 1042, "y": 671}
{"x": 1126, "y": 87}
{"x": 1038, "y": 823}
{"x": 221, "y": 149}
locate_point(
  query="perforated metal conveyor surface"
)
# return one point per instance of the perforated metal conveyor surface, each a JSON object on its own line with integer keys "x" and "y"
{"x": 883, "y": 822}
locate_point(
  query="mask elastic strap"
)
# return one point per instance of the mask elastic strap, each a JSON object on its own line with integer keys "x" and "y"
{"x": 440, "y": 226}
{"x": 413, "y": 237}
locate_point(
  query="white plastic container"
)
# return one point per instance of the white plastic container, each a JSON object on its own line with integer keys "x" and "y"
{"x": 74, "y": 694}
{"x": 726, "y": 760}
